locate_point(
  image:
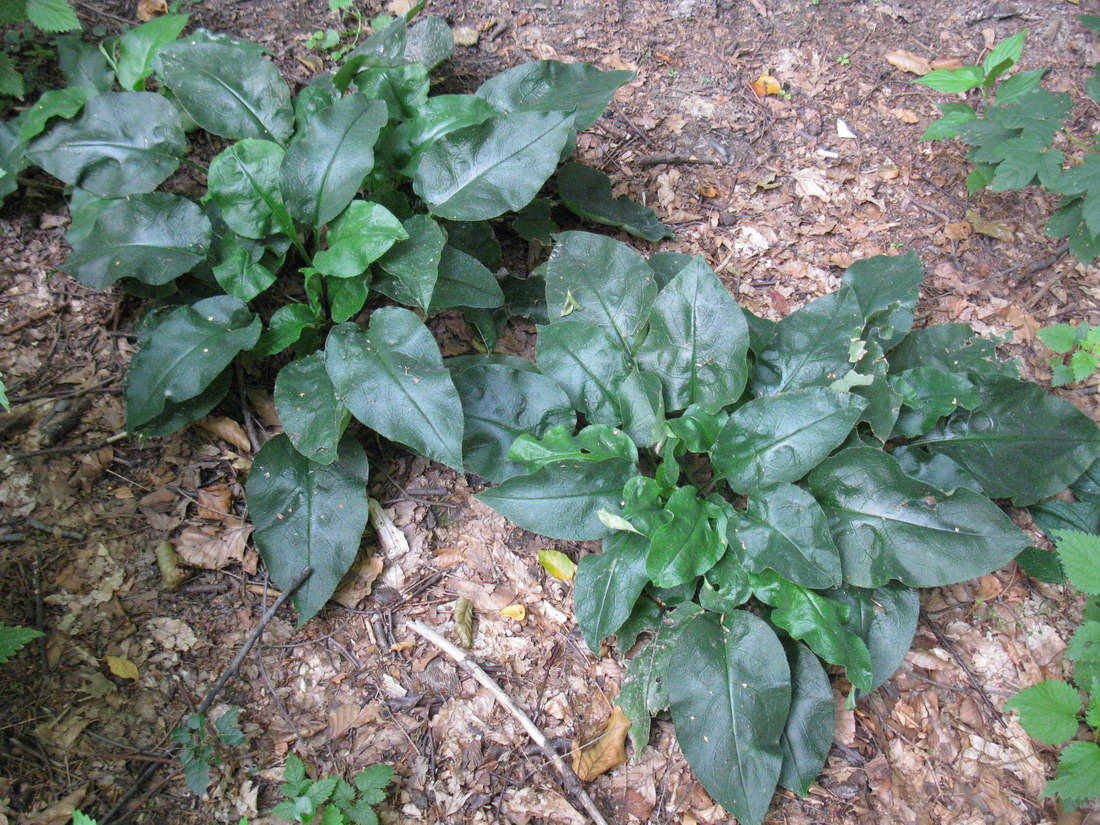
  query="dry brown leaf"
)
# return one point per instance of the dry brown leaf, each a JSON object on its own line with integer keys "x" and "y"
{"x": 958, "y": 231}
{"x": 908, "y": 62}
{"x": 949, "y": 63}
{"x": 215, "y": 502}
{"x": 264, "y": 407}
{"x": 343, "y": 719}
{"x": 466, "y": 36}
{"x": 766, "y": 85}
{"x": 844, "y": 729}
{"x": 1025, "y": 324}
{"x": 989, "y": 587}
{"x": 906, "y": 115}
{"x": 358, "y": 582}
{"x": 400, "y": 7}
{"x": 122, "y": 668}
{"x": 214, "y": 547}
{"x": 606, "y": 752}
{"x": 227, "y": 430}
{"x": 92, "y": 468}
{"x": 993, "y": 230}
{"x": 60, "y": 812}
{"x": 464, "y": 621}
{"x": 148, "y": 9}
{"x": 927, "y": 660}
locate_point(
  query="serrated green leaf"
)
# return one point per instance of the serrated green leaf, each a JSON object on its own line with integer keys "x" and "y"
{"x": 607, "y": 585}
{"x": 782, "y": 437}
{"x": 808, "y": 734}
{"x": 308, "y": 513}
{"x": 52, "y": 15}
{"x": 1078, "y": 767}
{"x": 953, "y": 80}
{"x": 1041, "y": 565}
{"x": 730, "y": 691}
{"x": 138, "y": 47}
{"x": 1084, "y": 645}
{"x": 196, "y": 771}
{"x": 550, "y": 86}
{"x": 484, "y": 170}
{"x": 11, "y": 79}
{"x": 414, "y": 263}
{"x": 13, "y": 639}
{"x": 1013, "y": 89}
{"x": 1083, "y": 364}
{"x": 227, "y": 87}
{"x": 1060, "y": 338}
{"x": 392, "y": 379}
{"x": 586, "y": 364}
{"x": 310, "y": 414}
{"x": 374, "y": 778}
{"x": 123, "y": 143}
{"x": 1048, "y": 710}
{"x": 889, "y": 526}
{"x": 587, "y": 192}
{"x": 153, "y": 238}
{"x": 1080, "y": 556}
{"x": 1003, "y": 56}
{"x": 954, "y": 116}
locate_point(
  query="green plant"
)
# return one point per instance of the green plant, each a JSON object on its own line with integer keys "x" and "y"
{"x": 46, "y": 15}
{"x": 360, "y": 188}
{"x": 14, "y": 638}
{"x": 1011, "y": 134}
{"x": 4, "y": 394}
{"x": 1052, "y": 711}
{"x": 1078, "y": 349}
{"x": 198, "y": 745}
{"x": 332, "y": 800}
{"x": 844, "y": 59}
{"x": 768, "y": 494}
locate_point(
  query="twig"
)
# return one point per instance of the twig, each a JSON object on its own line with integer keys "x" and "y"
{"x": 40, "y": 615}
{"x": 690, "y": 160}
{"x": 73, "y": 448}
{"x": 249, "y": 427}
{"x": 50, "y": 529}
{"x": 231, "y": 671}
{"x": 645, "y": 138}
{"x": 950, "y": 647}
{"x": 569, "y": 779}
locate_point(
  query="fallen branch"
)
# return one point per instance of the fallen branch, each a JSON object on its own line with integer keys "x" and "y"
{"x": 231, "y": 671}
{"x": 569, "y": 779}
{"x": 941, "y": 637}
{"x": 74, "y": 448}
{"x": 657, "y": 160}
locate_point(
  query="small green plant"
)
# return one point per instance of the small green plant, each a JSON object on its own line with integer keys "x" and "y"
{"x": 4, "y": 394}
{"x": 1055, "y": 712}
{"x": 199, "y": 745}
{"x": 844, "y": 59}
{"x": 1077, "y": 347}
{"x": 332, "y": 800}
{"x": 768, "y": 494}
{"x": 52, "y": 16}
{"x": 14, "y": 638}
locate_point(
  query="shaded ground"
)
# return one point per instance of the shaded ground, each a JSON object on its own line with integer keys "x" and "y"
{"x": 781, "y": 206}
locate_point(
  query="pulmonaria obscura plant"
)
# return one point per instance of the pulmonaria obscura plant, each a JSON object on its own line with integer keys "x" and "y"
{"x": 768, "y": 494}
{"x": 359, "y": 187}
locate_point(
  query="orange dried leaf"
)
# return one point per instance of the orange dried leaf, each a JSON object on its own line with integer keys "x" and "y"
{"x": 766, "y": 85}
{"x": 908, "y": 62}
{"x": 606, "y": 752}
{"x": 949, "y": 63}
{"x": 707, "y": 191}
{"x": 148, "y": 9}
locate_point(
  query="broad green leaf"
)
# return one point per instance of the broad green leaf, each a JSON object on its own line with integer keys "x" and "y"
{"x": 782, "y": 437}
{"x": 178, "y": 414}
{"x": 930, "y": 393}
{"x": 12, "y": 159}
{"x": 1078, "y": 767}
{"x": 52, "y": 15}
{"x": 808, "y": 734}
{"x": 310, "y": 414}
{"x": 698, "y": 428}
{"x": 83, "y": 64}
{"x": 562, "y": 499}
{"x": 730, "y": 691}
{"x": 725, "y": 586}
{"x": 887, "y": 288}
{"x": 953, "y": 80}
{"x": 1053, "y": 515}
{"x": 429, "y": 42}
{"x": 1003, "y": 57}
{"x": 404, "y": 89}
{"x": 383, "y": 48}
{"x": 586, "y": 364}
{"x": 1020, "y": 443}
{"x": 227, "y": 87}
{"x": 499, "y": 404}
{"x": 1080, "y": 556}
{"x": 239, "y": 273}
{"x": 123, "y": 143}
{"x": 478, "y": 240}
{"x": 63, "y": 103}
{"x": 641, "y": 407}
{"x": 362, "y": 234}
{"x": 818, "y": 621}
{"x": 138, "y": 47}
{"x": 697, "y": 342}
{"x": 482, "y": 171}
{"x": 284, "y": 328}
{"x": 950, "y": 347}
{"x": 243, "y": 181}
{"x": 392, "y": 379}
{"x": 938, "y": 470}
{"x": 533, "y": 222}
{"x": 786, "y": 530}
{"x": 11, "y": 79}
{"x": 607, "y": 585}
{"x": 184, "y": 352}
{"x": 464, "y": 282}
{"x": 890, "y": 526}
{"x": 601, "y": 281}
{"x": 347, "y": 296}
{"x": 587, "y": 192}
{"x": 955, "y": 114}
{"x": 550, "y": 86}
{"x": 152, "y": 238}
{"x": 886, "y": 619}
{"x": 1048, "y": 711}
{"x": 883, "y": 401}
{"x": 557, "y": 564}
{"x": 687, "y": 544}
{"x": 595, "y": 442}
{"x": 13, "y": 639}
{"x": 811, "y": 346}
{"x": 1084, "y": 645}
{"x": 326, "y": 163}
{"x": 414, "y": 262}
{"x": 308, "y": 513}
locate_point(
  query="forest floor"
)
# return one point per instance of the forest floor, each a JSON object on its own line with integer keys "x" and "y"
{"x": 778, "y": 204}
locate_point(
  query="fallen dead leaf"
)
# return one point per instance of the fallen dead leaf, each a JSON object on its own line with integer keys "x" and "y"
{"x": 122, "y": 668}
{"x": 264, "y": 408}
{"x": 908, "y": 62}
{"x": 464, "y": 621}
{"x": 359, "y": 581}
{"x": 606, "y": 752}
{"x": 958, "y": 231}
{"x": 515, "y": 611}
{"x": 215, "y": 503}
{"x": 343, "y": 719}
{"x": 949, "y": 63}
{"x": 399, "y": 7}
{"x": 148, "y": 9}
{"x": 168, "y": 561}
{"x": 989, "y": 587}
{"x": 213, "y": 546}
{"x": 707, "y": 191}
{"x": 60, "y": 812}
{"x": 466, "y": 36}
{"x": 766, "y": 85}
{"x": 227, "y": 430}
{"x": 844, "y": 729}
{"x": 905, "y": 115}
{"x": 992, "y": 230}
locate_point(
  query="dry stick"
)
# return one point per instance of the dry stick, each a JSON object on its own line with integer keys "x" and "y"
{"x": 572, "y": 784}
{"x": 231, "y": 671}
{"x": 689, "y": 160}
{"x": 74, "y": 448}
{"x": 249, "y": 427}
{"x": 950, "y": 647}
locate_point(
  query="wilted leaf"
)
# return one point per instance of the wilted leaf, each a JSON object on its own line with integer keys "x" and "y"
{"x": 214, "y": 547}
{"x": 949, "y": 63}
{"x": 766, "y": 85}
{"x": 122, "y": 668}
{"x": 148, "y": 9}
{"x": 358, "y": 581}
{"x": 908, "y": 62}
{"x": 168, "y": 561}
{"x": 993, "y": 230}
{"x": 606, "y": 752}
{"x": 515, "y": 611}
{"x": 464, "y": 621}
{"x": 215, "y": 502}
{"x": 557, "y": 564}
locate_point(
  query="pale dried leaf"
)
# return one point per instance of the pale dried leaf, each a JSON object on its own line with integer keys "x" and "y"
{"x": 172, "y": 634}
{"x": 606, "y": 752}
{"x": 908, "y": 62}
{"x": 215, "y": 502}
{"x": 214, "y": 547}
{"x": 343, "y": 719}
{"x": 358, "y": 582}
{"x": 60, "y": 812}
{"x": 148, "y": 9}
{"x": 992, "y": 230}
{"x": 464, "y": 621}
{"x": 392, "y": 541}
{"x": 466, "y": 36}
{"x": 949, "y": 63}
{"x": 906, "y": 115}
{"x": 400, "y": 7}
{"x": 844, "y": 729}
{"x": 168, "y": 561}
{"x": 958, "y": 231}
{"x": 927, "y": 660}
{"x": 122, "y": 668}
{"x": 227, "y": 430}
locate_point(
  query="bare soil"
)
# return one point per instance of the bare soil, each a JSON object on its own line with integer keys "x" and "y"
{"x": 779, "y": 204}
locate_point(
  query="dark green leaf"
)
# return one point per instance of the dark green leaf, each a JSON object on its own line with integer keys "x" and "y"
{"x": 931, "y": 394}
{"x": 562, "y": 499}
{"x": 883, "y": 401}
{"x": 952, "y": 348}
{"x": 392, "y": 379}
{"x": 184, "y": 352}
{"x": 955, "y": 114}
{"x": 138, "y": 47}
{"x": 890, "y": 526}
{"x": 938, "y": 470}
{"x": 178, "y": 414}
{"x": 239, "y": 274}
{"x": 587, "y": 192}
{"x": 482, "y": 171}
{"x": 63, "y": 103}
{"x": 310, "y": 414}
{"x": 464, "y": 282}
{"x": 1084, "y": 645}
{"x": 725, "y": 586}
{"x": 1020, "y": 443}
{"x": 244, "y": 182}
{"x": 586, "y": 364}
{"x": 326, "y": 163}
{"x": 83, "y": 64}
{"x": 550, "y": 86}
{"x": 227, "y": 87}
{"x": 533, "y": 222}
{"x": 1082, "y": 516}
{"x": 811, "y": 346}
{"x": 808, "y": 734}
{"x": 601, "y": 281}
{"x": 360, "y": 236}
{"x": 285, "y": 327}
{"x": 782, "y": 437}
{"x": 687, "y": 544}
{"x": 14, "y": 639}
{"x": 11, "y": 79}
{"x": 414, "y": 263}
{"x": 308, "y": 513}
{"x": 730, "y": 691}
{"x": 888, "y": 287}
{"x": 697, "y": 342}
{"x": 152, "y": 238}
{"x": 429, "y": 42}
{"x": 347, "y": 296}
{"x": 477, "y": 239}
{"x": 404, "y": 89}
{"x": 607, "y": 585}
{"x": 123, "y": 143}
{"x": 1014, "y": 88}
{"x": 1041, "y": 565}
{"x": 886, "y": 619}
{"x": 500, "y": 403}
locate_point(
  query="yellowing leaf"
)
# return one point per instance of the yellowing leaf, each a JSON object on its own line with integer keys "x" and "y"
{"x": 557, "y": 564}
{"x": 766, "y": 85}
{"x": 464, "y": 622}
{"x": 122, "y": 668}
{"x": 515, "y": 611}
{"x": 227, "y": 430}
{"x": 993, "y": 230}
{"x": 908, "y": 62}
{"x": 606, "y": 752}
